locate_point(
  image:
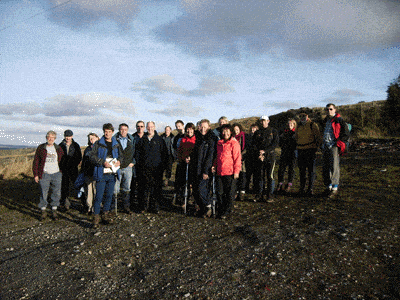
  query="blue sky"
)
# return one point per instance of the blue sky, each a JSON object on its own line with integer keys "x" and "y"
{"x": 77, "y": 64}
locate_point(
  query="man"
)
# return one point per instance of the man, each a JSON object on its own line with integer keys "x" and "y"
{"x": 151, "y": 160}
{"x": 266, "y": 140}
{"x": 168, "y": 139}
{"x": 137, "y": 136}
{"x": 308, "y": 139}
{"x": 201, "y": 160}
{"x": 335, "y": 135}
{"x": 251, "y": 156}
{"x": 180, "y": 127}
{"x": 128, "y": 149}
{"x": 69, "y": 165}
{"x": 217, "y": 131}
{"x": 106, "y": 155}
{"x": 47, "y": 172}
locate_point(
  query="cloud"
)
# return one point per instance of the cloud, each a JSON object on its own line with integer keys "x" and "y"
{"x": 335, "y": 100}
{"x": 87, "y": 110}
{"x": 180, "y": 108}
{"x": 348, "y": 92}
{"x": 162, "y": 84}
{"x": 282, "y": 105}
{"x": 82, "y": 13}
{"x": 306, "y": 28}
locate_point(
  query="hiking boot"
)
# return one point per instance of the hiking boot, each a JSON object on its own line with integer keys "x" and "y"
{"x": 332, "y": 194}
{"x": 107, "y": 217}
{"x": 310, "y": 193}
{"x": 288, "y": 188}
{"x": 54, "y": 215}
{"x": 302, "y": 193}
{"x": 127, "y": 210}
{"x": 43, "y": 215}
{"x": 67, "y": 204}
{"x": 259, "y": 198}
{"x": 96, "y": 221}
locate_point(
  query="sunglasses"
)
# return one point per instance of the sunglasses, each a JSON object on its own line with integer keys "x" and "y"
{"x": 140, "y": 126}
{"x": 329, "y": 109}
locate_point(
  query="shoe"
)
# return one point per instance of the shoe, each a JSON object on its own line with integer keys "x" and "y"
{"x": 302, "y": 193}
{"x": 127, "y": 210}
{"x": 287, "y": 190}
{"x": 54, "y": 214}
{"x": 270, "y": 198}
{"x": 332, "y": 194}
{"x": 259, "y": 198}
{"x": 107, "y": 218}
{"x": 96, "y": 221}
{"x": 310, "y": 193}
{"x": 208, "y": 214}
{"x": 67, "y": 204}
{"x": 43, "y": 215}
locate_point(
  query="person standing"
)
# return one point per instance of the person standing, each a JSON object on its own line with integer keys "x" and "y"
{"x": 47, "y": 172}
{"x": 69, "y": 165}
{"x": 251, "y": 157}
{"x": 88, "y": 169}
{"x": 227, "y": 165}
{"x": 151, "y": 160}
{"x": 266, "y": 141}
{"x": 124, "y": 183}
{"x": 168, "y": 139}
{"x": 335, "y": 136}
{"x": 106, "y": 155}
{"x": 287, "y": 142}
{"x": 137, "y": 136}
{"x": 308, "y": 139}
{"x": 240, "y": 136}
{"x": 218, "y": 131}
{"x": 201, "y": 161}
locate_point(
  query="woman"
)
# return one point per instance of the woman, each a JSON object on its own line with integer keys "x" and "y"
{"x": 287, "y": 142}
{"x": 185, "y": 148}
{"x": 227, "y": 165}
{"x": 240, "y": 137}
{"x": 87, "y": 169}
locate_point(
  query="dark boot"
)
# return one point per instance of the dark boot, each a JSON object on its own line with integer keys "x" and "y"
{"x": 96, "y": 221}
{"x": 54, "y": 214}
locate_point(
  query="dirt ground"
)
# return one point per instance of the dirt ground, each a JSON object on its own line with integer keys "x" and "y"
{"x": 292, "y": 248}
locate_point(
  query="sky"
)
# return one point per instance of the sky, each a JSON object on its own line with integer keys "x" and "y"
{"x": 77, "y": 64}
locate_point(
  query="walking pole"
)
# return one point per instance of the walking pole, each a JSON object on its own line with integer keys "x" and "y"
{"x": 214, "y": 196}
{"x": 186, "y": 188}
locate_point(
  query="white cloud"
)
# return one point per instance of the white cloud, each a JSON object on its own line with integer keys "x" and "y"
{"x": 180, "y": 108}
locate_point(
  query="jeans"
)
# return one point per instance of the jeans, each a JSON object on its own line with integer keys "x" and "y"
{"x": 47, "y": 181}
{"x": 124, "y": 184}
{"x": 201, "y": 191}
{"x": 104, "y": 188}
{"x": 330, "y": 166}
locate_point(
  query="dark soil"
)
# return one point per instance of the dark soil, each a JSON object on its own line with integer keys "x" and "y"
{"x": 292, "y": 248}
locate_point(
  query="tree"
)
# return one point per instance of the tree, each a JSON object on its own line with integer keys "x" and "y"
{"x": 392, "y": 107}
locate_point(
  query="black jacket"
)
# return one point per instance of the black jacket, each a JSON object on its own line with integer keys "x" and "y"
{"x": 71, "y": 160}
{"x": 266, "y": 139}
{"x": 203, "y": 153}
{"x": 151, "y": 154}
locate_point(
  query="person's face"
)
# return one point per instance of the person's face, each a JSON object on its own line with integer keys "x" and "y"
{"x": 108, "y": 133}
{"x": 140, "y": 127}
{"x": 180, "y": 127}
{"x": 150, "y": 128}
{"x": 167, "y": 131}
{"x": 253, "y": 129}
{"x": 190, "y": 132}
{"x": 93, "y": 139}
{"x": 123, "y": 131}
{"x": 237, "y": 130}
{"x": 331, "y": 111}
{"x": 303, "y": 120}
{"x": 226, "y": 133}
{"x": 50, "y": 139}
{"x": 222, "y": 122}
{"x": 291, "y": 125}
{"x": 265, "y": 123}
{"x": 68, "y": 139}
{"x": 204, "y": 128}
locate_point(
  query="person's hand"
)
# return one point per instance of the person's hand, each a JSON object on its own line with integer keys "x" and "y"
{"x": 235, "y": 176}
{"x": 107, "y": 165}
{"x": 37, "y": 179}
{"x": 118, "y": 163}
{"x": 131, "y": 165}
{"x": 262, "y": 152}
{"x": 205, "y": 176}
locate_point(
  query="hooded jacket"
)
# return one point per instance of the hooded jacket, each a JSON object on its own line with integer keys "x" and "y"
{"x": 340, "y": 131}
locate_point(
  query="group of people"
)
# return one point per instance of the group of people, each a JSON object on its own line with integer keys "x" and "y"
{"x": 226, "y": 159}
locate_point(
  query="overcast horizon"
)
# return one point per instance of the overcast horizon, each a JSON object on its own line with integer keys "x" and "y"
{"x": 77, "y": 64}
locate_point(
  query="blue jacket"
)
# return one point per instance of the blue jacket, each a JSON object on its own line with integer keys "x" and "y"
{"x": 98, "y": 156}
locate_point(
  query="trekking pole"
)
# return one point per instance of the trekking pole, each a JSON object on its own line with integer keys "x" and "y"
{"x": 214, "y": 196}
{"x": 186, "y": 188}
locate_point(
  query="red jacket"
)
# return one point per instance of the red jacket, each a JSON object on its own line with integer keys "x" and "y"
{"x": 40, "y": 159}
{"x": 340, "y": 131}
{"x": 229, "y": 157}
{"x": 186, "y": 146}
